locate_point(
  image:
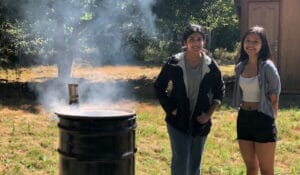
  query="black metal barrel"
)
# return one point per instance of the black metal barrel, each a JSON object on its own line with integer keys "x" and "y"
{"x": 97, "y": 143}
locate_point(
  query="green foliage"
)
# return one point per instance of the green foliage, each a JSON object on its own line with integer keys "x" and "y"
{"x": 150, "y": 49}
{"x": 17, "y": 43}
{"x": 225, "y": 55}
{"x": 55, "y": 28}
{"x": 218, "y": 16}
{"x": 225, "y": 37}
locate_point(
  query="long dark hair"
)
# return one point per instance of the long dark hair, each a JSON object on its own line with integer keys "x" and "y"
{"x": 264, "y": 52}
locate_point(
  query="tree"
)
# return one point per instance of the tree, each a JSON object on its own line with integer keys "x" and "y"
{"x": 98, "y": 29}
{"x": 108, "y": 31}
{"x": 173, "y": 15}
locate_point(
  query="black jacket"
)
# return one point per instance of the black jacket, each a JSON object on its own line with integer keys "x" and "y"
{"x": 211, "y": 88}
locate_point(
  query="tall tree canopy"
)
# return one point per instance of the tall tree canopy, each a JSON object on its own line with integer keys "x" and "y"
{"x": 215, "y": 15}
{"x": 107, "y": 30}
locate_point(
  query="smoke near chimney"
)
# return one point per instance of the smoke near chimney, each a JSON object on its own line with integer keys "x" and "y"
{"x": 95, "y": 31}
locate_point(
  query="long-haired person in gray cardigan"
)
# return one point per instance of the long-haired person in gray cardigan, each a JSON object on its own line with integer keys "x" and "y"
{"x": 196, "y": 89}
{"x": 256, "y": 94}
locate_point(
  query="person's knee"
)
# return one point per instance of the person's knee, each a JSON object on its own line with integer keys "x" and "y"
{"x": 266, "y": 168}
{"x": 264, "y": 171}
{"x": 252, "y": 167}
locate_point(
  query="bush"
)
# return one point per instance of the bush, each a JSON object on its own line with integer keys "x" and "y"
{"x": 225, "y": 37}
{"x": 225, "y": 56}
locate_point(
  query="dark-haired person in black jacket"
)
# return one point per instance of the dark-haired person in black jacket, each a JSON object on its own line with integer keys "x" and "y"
{"x": 189, "y": 88}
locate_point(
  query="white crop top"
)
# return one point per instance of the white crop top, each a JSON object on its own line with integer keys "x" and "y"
{"x": 250, "y": 89}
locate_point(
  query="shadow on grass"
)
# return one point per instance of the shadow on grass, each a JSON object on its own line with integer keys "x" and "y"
{"x": 18, "y": 96}
{"x": 26, "y": 96}
{"x": 288, "y": 101}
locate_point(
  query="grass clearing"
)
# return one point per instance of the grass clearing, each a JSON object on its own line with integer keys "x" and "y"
{"x": 29, "y": 143}
{"x": 29, "y": 139}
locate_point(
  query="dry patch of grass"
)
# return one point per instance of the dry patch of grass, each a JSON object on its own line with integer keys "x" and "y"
{"x": 116, "y": 72}
{"x": 37, "y": 73}
{"x": 227, "y": 70}
{"x": 94, "y": 74}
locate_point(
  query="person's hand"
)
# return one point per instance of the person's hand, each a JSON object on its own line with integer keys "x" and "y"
{"x": 203, "y": 118}
{"x": 174, "y": 112}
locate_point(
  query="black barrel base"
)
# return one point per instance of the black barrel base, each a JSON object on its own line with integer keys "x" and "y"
{"x": 80, "y": 167}
{"x": 97, "y": 143}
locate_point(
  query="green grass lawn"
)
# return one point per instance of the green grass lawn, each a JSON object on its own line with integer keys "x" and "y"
{"x": 29, "y": 135}
{"x": 29, "y": 142}
{"x": 221, "y": 155}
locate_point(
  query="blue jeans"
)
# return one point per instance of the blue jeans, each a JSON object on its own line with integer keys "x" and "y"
{"x": 186, "y": 152}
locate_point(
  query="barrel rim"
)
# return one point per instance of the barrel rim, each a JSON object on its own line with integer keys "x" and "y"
{"x": 117, "y": 113}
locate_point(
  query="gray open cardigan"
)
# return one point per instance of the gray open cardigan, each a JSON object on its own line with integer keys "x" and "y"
{"x": 269, "y": 83}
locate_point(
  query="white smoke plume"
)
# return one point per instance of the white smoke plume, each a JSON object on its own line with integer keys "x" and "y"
{"x": 78, "y": 29}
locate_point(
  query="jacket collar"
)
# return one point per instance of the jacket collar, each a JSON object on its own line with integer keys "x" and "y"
{"x": 205, "y": 66}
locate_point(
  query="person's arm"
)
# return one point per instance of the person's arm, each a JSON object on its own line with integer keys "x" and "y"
{"x": 218, "y": 92}
{"x": 274, "y": 85}
{"x": 160, "y": 86}
{"x": 274, "y": 102}
{"x": 204, "y": 117}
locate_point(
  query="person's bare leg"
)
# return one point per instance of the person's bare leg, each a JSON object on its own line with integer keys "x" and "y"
{"x": 248, "y": 152}
{"x": 266, "y": 155}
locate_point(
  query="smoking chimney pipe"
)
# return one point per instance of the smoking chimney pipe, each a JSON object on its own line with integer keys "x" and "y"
{"x": 73, "y": 94}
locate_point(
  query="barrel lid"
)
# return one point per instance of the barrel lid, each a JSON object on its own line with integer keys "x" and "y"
{"x": 100, "y": 113}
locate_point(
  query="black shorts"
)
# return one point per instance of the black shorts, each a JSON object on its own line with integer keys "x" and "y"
{"x": 256, "y": 126}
